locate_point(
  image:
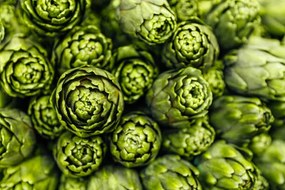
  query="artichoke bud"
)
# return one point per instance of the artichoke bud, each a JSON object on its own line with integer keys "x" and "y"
{"x": 184, "y": 9}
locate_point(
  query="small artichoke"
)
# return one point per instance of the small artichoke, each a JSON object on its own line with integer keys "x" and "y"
{"x": 17, "y": 137}
{"x": 170, "y": 172}
{"x": 136, "y": 141}
{"x": 135, "y": 70}
{"x": 79, "y": 157}
{"x": 179, "y": 95}
{"x": 184, "y": 9}
{"x": 151, "y": 21}
{"x": 114, "y": 177}
{"x": 88, "y": 101}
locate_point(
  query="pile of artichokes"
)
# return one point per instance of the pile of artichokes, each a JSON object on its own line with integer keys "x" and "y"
{"x": 142, "y": 94}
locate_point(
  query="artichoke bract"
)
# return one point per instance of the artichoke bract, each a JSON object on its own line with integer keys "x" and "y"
{"x": 2, "y": 31}
{"x": 223, "y": 166}
{"x": 38, "y": 172}
{"x": 189, "y": 141}
{"x": 179, "y": 95}
{"x": 44, "y": 118}
{"x": 83, "y": 45}
{"x": 115, "y": 177}
{"x": 136, "y": 141}
{"x": 79, "y": 157}
{"x": 88, "y": 101}
{"x": 135, "y": 70}
{"x": 278, "y": 111}
{"x": 170, "y": 172}
{"x": 53, "y": 18}
{"x": 17, "y": 137}
{"x": 233, "y": 21}
{"x": 192, "y": 44}
{"x": 68, "y": 183}
{"x": 151, "y": 21}
{"x": 257, "y": 69}
{"x": 184, "y": 9}
{"x": 237, "y": 119}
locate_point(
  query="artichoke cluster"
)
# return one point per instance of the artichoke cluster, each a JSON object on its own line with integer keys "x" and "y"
{"x": 142, "y": 94}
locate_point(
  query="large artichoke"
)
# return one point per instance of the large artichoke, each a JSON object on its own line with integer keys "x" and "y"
{"x": 136, "y": 141}
{"x": 79, "y": 157}
{"x": 179, "y": 95}
{"x": 88, "y": 101}
{"x": 257, "y": 69}
{"x": 192, "y": 44}
{"x": 135, "y": 70}
{"x": 237, "y": 119}
{"x": 170, "y": 172}
{"x": 17, "y": 137}
{"x": 152, "y": 21}
{"x": 114, "y": 177}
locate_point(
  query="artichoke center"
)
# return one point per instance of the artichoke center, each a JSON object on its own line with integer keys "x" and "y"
{"x": 83, "y": 153}
{"x": 27, "y": 73}
{"x": 86, "y": 50}
{"x": 49, "y": 116}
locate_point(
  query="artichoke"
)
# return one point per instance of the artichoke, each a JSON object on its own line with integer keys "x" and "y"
{"x": 17, "y": 137}
{"x": 84, "y": 45}
{"x": 88, "y": 101}
{"x": 192, "y": 44}
{"x": 114, "y": 177}
{"x": 184, "y": 9}
{"x": 170, "y": 172}
{"x": 233, "y": 21}
{"x": 259, "y": 143}
{"x": 237, "y": 119}
{"x": 136, "y": 141}
{"x": 151, "y": 21}
{"x": 24, "y": 67}
{"x": 52, "y": 18}
{"x": 223, "y": 166}
{"x": 71, "y": 183}
{"x": 79, "y": 157}
{"x": 191, "y": 140}
{"x": 135, "y": 70}
{"x": 257, "y": 69}
{"x": 38, "y": 173}
{"x": 44, "y": 118}
{"x": 179, "y": 95}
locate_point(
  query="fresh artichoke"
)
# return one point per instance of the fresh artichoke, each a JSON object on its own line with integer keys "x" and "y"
{"x": 136, "y": 141}
{"x": 84, "y": 45}
{"x": 44, "y": 118}
{"x": 170, "y": 172}
{"x": 53, "y": 17}
{"x": 151, "y": 21}
{"x": 71, "y": 183}
{"x": 223, "y": 166}
{"x": 257, "y": 69}
{"x": 88, "y": 101}
{"x": 17, "y": 137}
{"x": 184, "y": 9}
{"x": 192, "y": 44}
{"x": 259, "y": 143}
{"x": 135, "y": 70}
{"x": 24, "y": 67}
{"x": 237, "y": 119}
{"x": 79, "y": 157}
{"x": 189, "y": 141}
{"x": 114, "y": 177}
{"x": 179, "y": 95}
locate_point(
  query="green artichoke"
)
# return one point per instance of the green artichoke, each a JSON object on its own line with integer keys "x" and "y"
{"x": 237, "y": 119}
{"x": 189, "y": 141}
{"x": 233, "y": 21}
{"x": 151, "y": 21}
{"x": 136, "y": 141}
{"x": 88, "y": 101}
{"x": 114, "y": 177}
{"x": 44, "y": 118}
{"x": 223, "y": 166}
{"x": 170, "y": 172}
{"x": 36, "y": 173}
{"x": 184, "y": 9}
{"x": 135, "y": 70}
{"x": 192, "y": 44}
{"x": 53, "y": 17}
{"x": 84, "y": 45}
{"x": 71, "y": 183}
{"x": 259, "y": 143}
{"x": 79, "y": 157}
{"x": 17, "y": 137}
{"x": 278, "y": 111}
{"x": 257, "y": 69}
{"x": 24, "y": 67}
{"x": 179, "y": 95}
